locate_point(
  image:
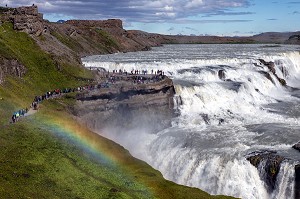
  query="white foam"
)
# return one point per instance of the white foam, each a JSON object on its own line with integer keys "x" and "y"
{"x": 207, "y": 143}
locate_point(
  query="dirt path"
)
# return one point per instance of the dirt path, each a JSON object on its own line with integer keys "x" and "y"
{"x": 31, "y": 111}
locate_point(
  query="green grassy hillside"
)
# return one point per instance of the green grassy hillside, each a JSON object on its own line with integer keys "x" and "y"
{"x": 48, "y": 154}
{"x": 42, "y": 73}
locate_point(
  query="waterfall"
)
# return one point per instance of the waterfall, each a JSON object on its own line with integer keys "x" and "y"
{"x": 229, "y": 105}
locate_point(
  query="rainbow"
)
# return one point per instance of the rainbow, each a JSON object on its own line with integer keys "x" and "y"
{"x": 87, "y": 141}
{"x": 109, "y": 155}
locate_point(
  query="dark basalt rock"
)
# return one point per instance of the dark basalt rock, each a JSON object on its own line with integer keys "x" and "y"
{"x": 221, "y": 74}
{"x": 147, "y": 48}
{"x": 267, "y": 75}
{"x": 297, "y": 181}
{"x": 271, "y": 67}
{"x": 126, "y": 106}
{"x": 205, "y": 118}
{"x": 268, "y": 165}
{"x": 297, "y": 146}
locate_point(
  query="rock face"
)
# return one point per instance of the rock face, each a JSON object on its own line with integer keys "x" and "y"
{"x": 297, "y": 181}
{"x": 10, "y": 67}
{"x": 271, "y": 67}
{"x": 127, "y": 106}
{"x": 297, "y": 146}
{"x": 27, "y": 19}
{"x": 268, "y": 165}
{"x": 110, "y": 23}
{"x": 221, "y": 74}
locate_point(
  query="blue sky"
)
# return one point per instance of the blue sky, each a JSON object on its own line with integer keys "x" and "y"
{"x": 196, "y": 17}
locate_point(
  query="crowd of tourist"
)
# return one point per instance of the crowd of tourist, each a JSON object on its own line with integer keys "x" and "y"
{"x": 137, "y": 72}
{"x": 48, "y": 95}
{"x": 111, "y": 78}
{"x": 20, "y": 113}
{"x": 135, "y": 76}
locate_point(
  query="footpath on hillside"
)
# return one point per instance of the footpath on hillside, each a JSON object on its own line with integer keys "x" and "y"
{"x": 105, "y": 79}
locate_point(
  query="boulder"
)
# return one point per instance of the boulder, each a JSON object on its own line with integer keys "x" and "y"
{"x": 296, "y": 146}
{"x": 271, "y": 67}
{"x": 268, "y": 165}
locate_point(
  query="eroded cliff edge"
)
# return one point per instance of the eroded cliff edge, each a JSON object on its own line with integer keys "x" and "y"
{"x": 126, "y": 105}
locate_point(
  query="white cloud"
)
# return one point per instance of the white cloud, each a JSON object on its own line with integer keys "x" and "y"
{"x": 132, "y": 10}
{"x": 168, "y": 8}
{"x": 194, "y": 4}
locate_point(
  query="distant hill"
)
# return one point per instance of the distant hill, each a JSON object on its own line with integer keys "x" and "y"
{"x": 294, "y": 39}
{"x": 275, "y": 37}
{"x": 61, "y": 21}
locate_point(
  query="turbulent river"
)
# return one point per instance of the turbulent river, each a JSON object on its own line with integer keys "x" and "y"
{"x": 227, "y": 108}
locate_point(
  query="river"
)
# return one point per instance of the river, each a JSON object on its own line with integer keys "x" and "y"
{"x": 227, "y": 108}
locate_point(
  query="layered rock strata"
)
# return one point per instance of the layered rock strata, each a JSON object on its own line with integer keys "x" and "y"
{"x": 127, "y": 105}
{"x": 26, "y": 19}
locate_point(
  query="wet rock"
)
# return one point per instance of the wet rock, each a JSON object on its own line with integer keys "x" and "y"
{"x": 271, "y": 67}
{"x": 205, "y": 118}
{"x": 267, "y": 75}
{"x": 297, "y": 146}
{"x": 281, "y": 81}
{"x": 221, "y": 74}
{"x": 283, "y": 68}
{"x": 297, "y": 181}
{"x": 221, "y": 121}
{"x": 268, "y": 165}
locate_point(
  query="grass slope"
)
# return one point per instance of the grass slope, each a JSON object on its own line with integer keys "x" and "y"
{"x": 42, "y": 73}
{"x": 40, "y": 158}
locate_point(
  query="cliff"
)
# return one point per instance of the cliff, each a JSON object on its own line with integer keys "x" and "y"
{"x": 126, "y": 105}
{"x": 67, "y": 42}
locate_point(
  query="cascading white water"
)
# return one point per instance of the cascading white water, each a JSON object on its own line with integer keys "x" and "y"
{"x": 286, "y": 177}
{"x": 220, "y": 120}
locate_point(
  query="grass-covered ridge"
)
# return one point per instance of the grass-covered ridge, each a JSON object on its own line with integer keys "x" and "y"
{"x": 42, "y": 72}
{"x": 48, "y": 154}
